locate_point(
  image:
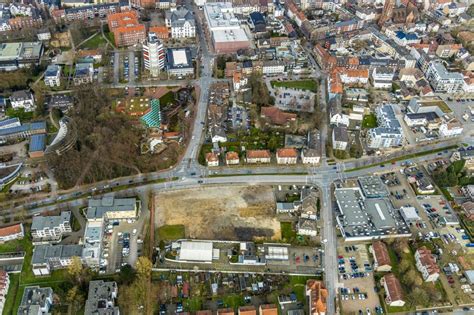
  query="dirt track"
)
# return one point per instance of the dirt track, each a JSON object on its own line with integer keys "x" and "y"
{"x": 226, "y": 213}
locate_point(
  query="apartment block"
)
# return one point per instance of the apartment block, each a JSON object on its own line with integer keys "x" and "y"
{"x": 50, "y": 229}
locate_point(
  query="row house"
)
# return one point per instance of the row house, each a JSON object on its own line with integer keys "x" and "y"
{"x": 393, "y": 290}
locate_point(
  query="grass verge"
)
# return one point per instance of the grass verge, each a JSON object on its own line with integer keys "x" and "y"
{"x": 171, "y": 232}
{"x": 309, "y": 85}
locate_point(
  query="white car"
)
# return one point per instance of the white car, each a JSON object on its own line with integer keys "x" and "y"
{"x": 134, "y": 232}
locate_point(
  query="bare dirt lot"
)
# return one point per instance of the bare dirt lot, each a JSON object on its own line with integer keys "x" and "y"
{"x": 224, "y": 213}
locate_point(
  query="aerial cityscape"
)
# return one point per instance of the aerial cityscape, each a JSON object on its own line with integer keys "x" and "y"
{"x": 237, "y": 157}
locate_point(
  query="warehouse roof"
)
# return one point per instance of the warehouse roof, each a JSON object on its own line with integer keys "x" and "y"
{"x": 196, "y": 251}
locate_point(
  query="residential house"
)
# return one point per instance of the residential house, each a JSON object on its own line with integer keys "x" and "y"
{"x": 239, "y": 81}
{"x": 36, "y": 300}
{"x": 287, "y": 156}
{"x": 218, "y": 135}
{"x": 393, "y": 290}
{"x": 258, "y": 156}
{"x": 52, "y": 76}
{"x": 276, "y": 116}
{"x": 50, "y": 229}
{"x": 312, "y": 154}
{"x": 212, "y": 159}
{"x": 382, "y": 262}
{"x": 426, "y": 264}
{"x": 317, "y": 296}
{"x": 101, "y": 298}
{"x": 306, "y": 227}
{"x": 12, "y": 232}
{"x": 181, "y": 22}
{"x": 232, "y": 158}
{"x": 340, "y": 138}
{"x": 84, "y": 73}
{"x": 23, "y": 99}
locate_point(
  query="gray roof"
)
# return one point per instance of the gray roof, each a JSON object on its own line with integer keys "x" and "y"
{"x": 21, "y": 95}
{"x": 373, "y": 187}
{"x": 40, "y": 222}
{"x": 180, "y": 16}
{"x": 98, "y": 207}
{"x": 42, "y": 254}
{"x": 33, "y": 298}
{"x": 340, "y": 134}
{"x": 100, "y": 299}
{"x": 367, "y": 218}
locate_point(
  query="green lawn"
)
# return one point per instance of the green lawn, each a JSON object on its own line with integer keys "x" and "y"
{"x": 95, "y": 42}
{"x": 111, "y": 37}
{"x": 12, "y": 294}
{"x": 297, "y": 284}
{"x": 167, "y": 99}
{"x": 171, "y": 232}
{"x": 369, "y": 121}
{"x": 287, "y": 231}
{"x": 193, "y": 304}
{"x": 309, "y": 85}
{"x": 233, "y": 301}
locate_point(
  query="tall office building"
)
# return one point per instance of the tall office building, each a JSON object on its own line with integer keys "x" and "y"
{"x": 154, "y": 55}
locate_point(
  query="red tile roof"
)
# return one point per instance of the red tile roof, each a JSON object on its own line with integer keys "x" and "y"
{"x": 229, "y": 156}
{"x": 258, "y": 154}
{"x": 319, "y": 295}
{"x": 395, "y": 291}
{"x": 277, "y": 116}
{"x": 287, "y": 153}
{"x": 247, "y": 310}
{"x": 427, "y": 260}
{"x": 381, "y": 253}
{"x": 10, "y": 230}
{"x": 268, "y": 309}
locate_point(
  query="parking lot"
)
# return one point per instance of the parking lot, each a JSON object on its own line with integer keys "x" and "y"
{"x": 124, "y": 235}
{"x": 355, "y": 273}
{"x": 437, "y": 210}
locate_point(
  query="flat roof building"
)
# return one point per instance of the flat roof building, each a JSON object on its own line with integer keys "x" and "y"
{"x": 226, "y": 33}
{"x": 196, "y": 251}
{"x": 19, "y": 55}
{"x": 112, "y": 209}
{"x": 46, "y": 229}
{"x": 101, "y": 298}
{"x": 52, "y": 257}
{"x": 363, "y": 218}
{"x": 36, "y": 300}
{"x": 179, "y": 62}
{"x": 373, "y": 187}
